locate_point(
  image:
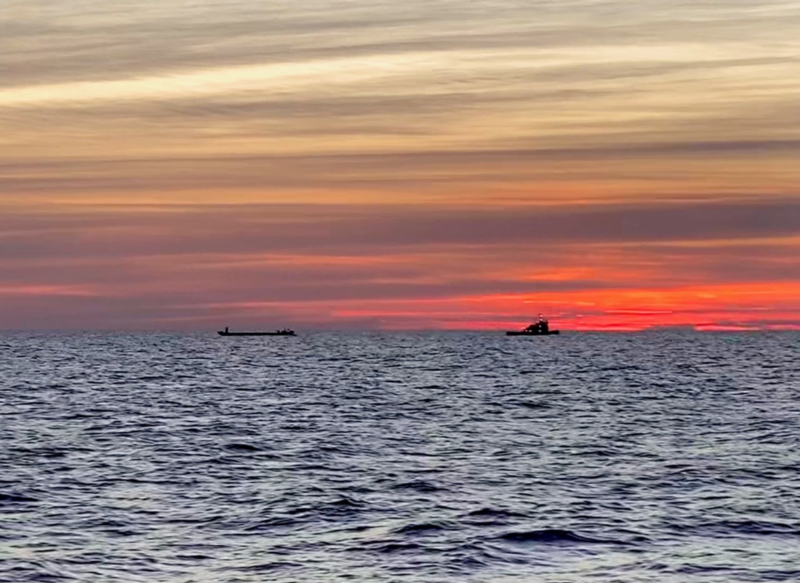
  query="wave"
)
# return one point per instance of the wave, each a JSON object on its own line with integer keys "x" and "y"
{"x": 242, "y": 447}
{"x": 419, "y": 486}
{"x": 494, "y": 514}
{"x": 553, "y": 535}
{"x": 423, "y": 528}
{"x": 9, "y": 498}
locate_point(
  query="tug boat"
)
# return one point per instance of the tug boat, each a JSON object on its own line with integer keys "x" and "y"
{"x": 539, "y": 328}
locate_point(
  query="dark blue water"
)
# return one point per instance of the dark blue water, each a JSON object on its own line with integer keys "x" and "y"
{"x": 657, "y": 457}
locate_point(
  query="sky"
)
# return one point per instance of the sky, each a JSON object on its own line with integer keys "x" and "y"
{"x": 375, "y": 164}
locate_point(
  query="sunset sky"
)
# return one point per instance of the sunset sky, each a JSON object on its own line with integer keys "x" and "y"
{"x": 416, "y": 164}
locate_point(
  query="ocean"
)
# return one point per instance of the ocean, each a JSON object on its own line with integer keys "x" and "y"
{"x": 664, "y": 457}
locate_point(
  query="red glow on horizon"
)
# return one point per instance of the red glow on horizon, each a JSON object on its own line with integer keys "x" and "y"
{"x": 743, "y": 307}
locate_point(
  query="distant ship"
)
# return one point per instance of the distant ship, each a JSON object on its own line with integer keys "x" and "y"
{"x": 539, "y": 328}
{"x": 284, "y": 332}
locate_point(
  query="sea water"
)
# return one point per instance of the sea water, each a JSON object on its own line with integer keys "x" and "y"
{"x": 667, "y": 457}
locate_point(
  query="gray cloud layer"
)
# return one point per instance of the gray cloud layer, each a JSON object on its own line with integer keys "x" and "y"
{"x": 365, "y": 230}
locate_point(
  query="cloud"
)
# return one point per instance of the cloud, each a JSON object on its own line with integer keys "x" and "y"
{"x": 198, "y": 265}
{"x": 433, "y": 153}
{"x": 75, "y": 39}
{"x": 348, "y": 228}
{"x": 269, "y": 175}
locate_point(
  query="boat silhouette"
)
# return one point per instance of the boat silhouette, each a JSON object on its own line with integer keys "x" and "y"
{"x": 284, "y": 332}
{"x": 539, "y": 328}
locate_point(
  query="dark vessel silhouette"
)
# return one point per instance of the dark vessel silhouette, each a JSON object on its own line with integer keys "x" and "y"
{"x": 539, "y": 328}
{"x": 284, "y": 332}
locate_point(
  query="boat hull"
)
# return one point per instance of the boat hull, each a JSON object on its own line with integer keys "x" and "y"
{"x": 256, "y": 334}
{"x": 519, "y": 333}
